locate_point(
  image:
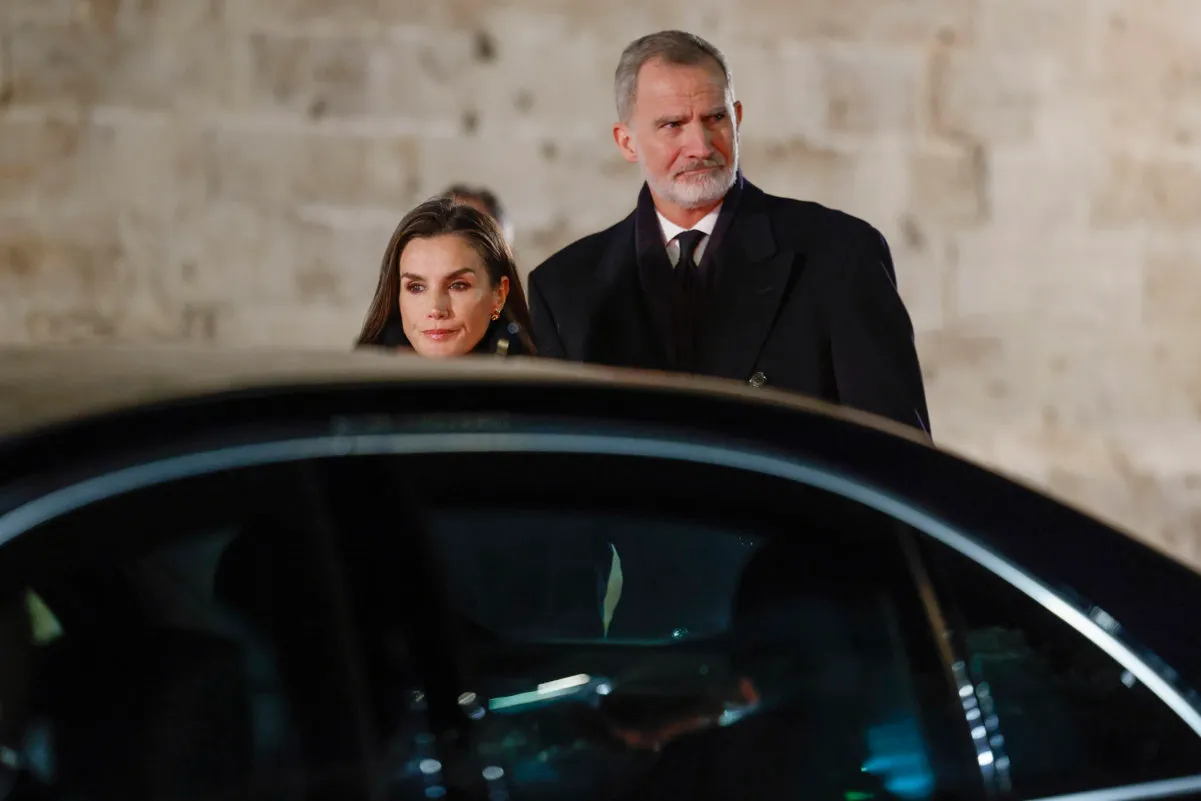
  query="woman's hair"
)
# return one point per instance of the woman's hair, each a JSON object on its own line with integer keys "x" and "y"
{"x": 444, "y": 216}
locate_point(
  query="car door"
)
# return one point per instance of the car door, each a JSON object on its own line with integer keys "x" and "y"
{"x": 1063, "y": 706}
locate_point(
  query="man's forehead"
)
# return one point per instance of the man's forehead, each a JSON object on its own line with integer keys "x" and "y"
{"x": 658, "y": 81}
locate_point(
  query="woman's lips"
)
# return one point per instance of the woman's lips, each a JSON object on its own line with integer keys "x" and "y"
{"x": 439, "y": 334}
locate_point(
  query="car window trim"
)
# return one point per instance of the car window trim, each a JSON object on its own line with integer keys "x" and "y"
{"x": 74, "y": 496}
{"x": 1163, "y": 788}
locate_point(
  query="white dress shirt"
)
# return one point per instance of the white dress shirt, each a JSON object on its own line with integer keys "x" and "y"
{"x": 670, "y": 231}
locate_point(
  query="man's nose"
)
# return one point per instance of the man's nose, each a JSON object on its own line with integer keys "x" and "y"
{"x": 697, "y": 142}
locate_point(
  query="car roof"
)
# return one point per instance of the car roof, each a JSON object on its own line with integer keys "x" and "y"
{"x": 44, "y": 385}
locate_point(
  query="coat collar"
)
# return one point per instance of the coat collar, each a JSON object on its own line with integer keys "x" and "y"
{"x": 746, "y": 269}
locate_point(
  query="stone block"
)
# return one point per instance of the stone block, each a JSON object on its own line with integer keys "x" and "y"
{"x": 137, "y": 318}
{"x": 231, "y": 253}
{"x": 1160, "y": 191}
{"x": 876, "y": 21}
{"x": 169, "y": 60}
{"x": 1092, "y": 278}
{"x": 1039, "y": 191}
{"x": 950, "y": 184}
{"x": 350, "y": 15}
{"x": 36, "y": 159}
{"x": 800, "y": 168}
{"x": 42, "y": 12}
{"x": 1148, "y": 69}
{"x": 69, "y": 163}
{"x": 539, "y": 81}
{"x": 239, "y": 253}
{"x": 287, "y": 326}
{"x": 60, "y": 64}
{"x": 589, "y": 185}
{"x": 317, "y": 76}
{"x": 80, "y": 260}
{"x": 427, "y": 79}
{"x": 618, "y": 23}
{"x": 781, "y": 88}
{"x": 288, "y": 165}
{"x": 1061, "y": 375}
{"x": 1061, "y": 28}
{"x": 340, "y": 252}
{"x": 873, "y": 90}
{"x": 1172, "y": 283}
{"x": 925, "y": 268}
{"x": 866, "y": 179}
{"x": 554, "y": 182}
{"x": 987, "y": 97}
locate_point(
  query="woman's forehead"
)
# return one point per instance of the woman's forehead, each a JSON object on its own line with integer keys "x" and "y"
{"x": 439, "y": 256}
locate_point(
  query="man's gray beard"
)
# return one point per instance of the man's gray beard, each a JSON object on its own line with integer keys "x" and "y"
{"x": 695, "y": 194}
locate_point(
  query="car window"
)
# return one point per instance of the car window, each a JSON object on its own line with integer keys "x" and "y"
{"x": 594, "y": 626}
{"x": 519, "y": 571}
{"x": 1062, "y": 715}
{"x": 726, "y": 576}
{"x": 184, "y": 641}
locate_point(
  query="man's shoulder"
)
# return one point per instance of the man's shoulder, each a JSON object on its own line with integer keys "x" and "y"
{"x": 830, "y": 234}
{"x": 813, "y": 222}
{"x": 578, "y": 257}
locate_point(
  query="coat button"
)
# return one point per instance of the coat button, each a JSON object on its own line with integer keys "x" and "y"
{"x": 758, "y": 379}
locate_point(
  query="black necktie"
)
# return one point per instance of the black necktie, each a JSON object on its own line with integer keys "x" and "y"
{"x": 687, "y": 281}
{"x": 689, "y": 241}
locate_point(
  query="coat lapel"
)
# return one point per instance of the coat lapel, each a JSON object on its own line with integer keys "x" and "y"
{"x": 751, "y": 276}
{"x": 620, "y": 328}
{"x": 656, "y": 277}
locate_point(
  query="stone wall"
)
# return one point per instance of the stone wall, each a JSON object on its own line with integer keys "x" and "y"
{"x": 229, "y": 171}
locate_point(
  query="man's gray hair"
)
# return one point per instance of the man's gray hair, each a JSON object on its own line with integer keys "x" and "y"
{"x": 672, "y": 47}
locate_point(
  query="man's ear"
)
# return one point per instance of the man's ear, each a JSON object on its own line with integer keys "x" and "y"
{"x": 625, "y": 142}
{"x": 737, "y": 113}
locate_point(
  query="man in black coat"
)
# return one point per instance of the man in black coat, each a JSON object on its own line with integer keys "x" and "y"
{"x": 710, "y": 275}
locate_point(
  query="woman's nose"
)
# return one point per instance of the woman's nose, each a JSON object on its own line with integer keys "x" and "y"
{"x": 440, "y": 307}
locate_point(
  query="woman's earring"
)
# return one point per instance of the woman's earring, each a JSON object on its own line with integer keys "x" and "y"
{"x": 496, "y": 315}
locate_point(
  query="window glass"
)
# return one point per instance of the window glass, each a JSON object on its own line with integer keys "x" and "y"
{"x": 768, "y": 640}
{"x": 1064, "y": 716}
{"x": 541, "y": 626}
{"x": 180, "y": 642}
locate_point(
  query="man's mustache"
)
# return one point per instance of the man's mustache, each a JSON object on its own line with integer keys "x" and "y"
{"x": 713, "y": 161}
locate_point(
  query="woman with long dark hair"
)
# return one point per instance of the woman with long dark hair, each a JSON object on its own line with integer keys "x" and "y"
{"x": 448, "y": 286}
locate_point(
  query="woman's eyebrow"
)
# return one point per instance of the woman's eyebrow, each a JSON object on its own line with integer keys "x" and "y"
{"x": 456, "y": 274}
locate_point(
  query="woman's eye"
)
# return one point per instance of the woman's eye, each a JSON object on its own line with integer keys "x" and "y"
{"x": 459, "y": 286}
{"x": 414, "y": 288}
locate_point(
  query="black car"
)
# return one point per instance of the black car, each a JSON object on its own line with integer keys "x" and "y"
{"x": 324, "y": 575}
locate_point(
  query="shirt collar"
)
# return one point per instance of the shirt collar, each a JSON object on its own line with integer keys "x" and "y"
{"x": 705, "y": 225}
